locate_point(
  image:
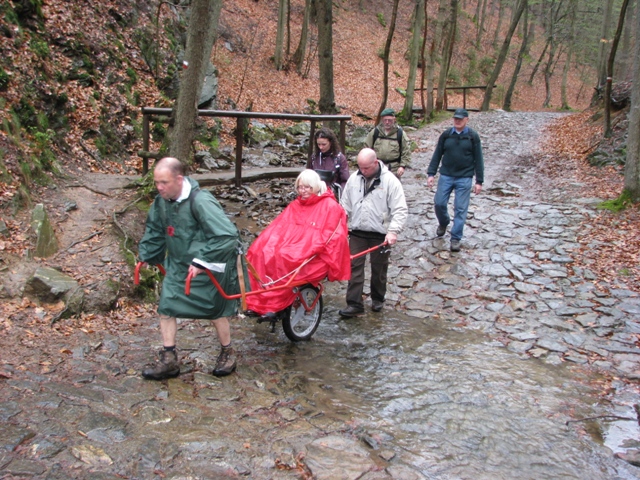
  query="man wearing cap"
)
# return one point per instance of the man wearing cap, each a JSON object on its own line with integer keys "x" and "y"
{"x": 390, "y": 143}
{"x": 460, "y": 151}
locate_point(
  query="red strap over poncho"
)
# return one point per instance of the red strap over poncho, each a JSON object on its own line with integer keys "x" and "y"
{"x": 316, "y": 226}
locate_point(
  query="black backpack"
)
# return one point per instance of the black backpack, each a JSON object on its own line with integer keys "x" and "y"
{"x": 376, "y": 134}
{"x": 472, "y": 136}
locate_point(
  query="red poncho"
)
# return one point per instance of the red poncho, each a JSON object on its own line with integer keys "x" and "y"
{"x": 316, "y": 226}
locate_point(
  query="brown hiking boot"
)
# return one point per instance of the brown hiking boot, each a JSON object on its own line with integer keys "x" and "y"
{"x": 226, "y": 363}
{"x": 167, "y": 366}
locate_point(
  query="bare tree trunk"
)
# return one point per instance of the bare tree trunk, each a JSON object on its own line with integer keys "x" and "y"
{"x": 539, "y": 62}
{"x": 481, "y": 23}
{"x": 298, "y": 56}
{"x": 612, "y": 56}
{"x": 282, "y": 19}
{"x": 486, "y": 102}
{"x": 447, "y": 51}
{"x": 424, "y": 60}
{"x": 632, "y": 164}
{"x": 385, "y": 59}
{"x": 324, "y": 11}
{"x": 524, "y": 49}
{"x": 201, "y": 33}
{"x": 288, "y": 49}
{"x": 496, "y": 34}
{"x": 624, "y": 59}
{"x": 407, "y": 111}
{"x": 573, "y": 8}
{"x": 437, "y": 36}
{"x": 604, "y": 48}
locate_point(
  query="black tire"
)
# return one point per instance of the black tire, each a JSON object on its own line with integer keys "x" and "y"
{"x": 297, "y": 324}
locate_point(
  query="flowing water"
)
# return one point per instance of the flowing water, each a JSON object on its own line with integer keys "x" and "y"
{"x": 452, "y": 403}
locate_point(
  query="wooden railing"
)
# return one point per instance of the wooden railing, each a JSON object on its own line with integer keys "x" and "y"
{"x": 164, "y": 114}
{"x": 464, "y": 89}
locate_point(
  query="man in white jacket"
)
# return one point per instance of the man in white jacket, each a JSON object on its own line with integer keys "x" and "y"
{"x": 374, "y": 201}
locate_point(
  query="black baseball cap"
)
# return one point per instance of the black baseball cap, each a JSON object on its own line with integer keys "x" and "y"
{"x": 460, "y": 113}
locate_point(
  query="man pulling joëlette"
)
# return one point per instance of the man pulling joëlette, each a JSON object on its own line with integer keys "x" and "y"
{"x": 377, "y": 209}
{"x": 187, "y": 231}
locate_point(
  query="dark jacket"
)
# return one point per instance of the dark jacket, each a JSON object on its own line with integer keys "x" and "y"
{"x": 335, "y": 163}
{"x": 461, "y": 155}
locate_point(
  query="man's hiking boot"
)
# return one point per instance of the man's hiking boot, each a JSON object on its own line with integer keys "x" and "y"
{"x": 226, "y": 363}
{"x": 455, "y": 245}
{"x": 376, "y": 305}
{"x": 351, "y": 311}
{"x": 167, "y": 366}
{"x": 441, "y": 230}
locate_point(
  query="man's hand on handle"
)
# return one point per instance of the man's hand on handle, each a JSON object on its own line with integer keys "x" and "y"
{"x": 391, "y": 238}
{"x": 195, "y": 271}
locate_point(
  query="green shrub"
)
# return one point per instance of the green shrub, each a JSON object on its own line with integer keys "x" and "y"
{"x": 486, "y": 66}
{"x": 131, "y": 73}
{"x": 39, "y": 47}
{"x": 4, "y": 80}
{"x": 381, "y": 19}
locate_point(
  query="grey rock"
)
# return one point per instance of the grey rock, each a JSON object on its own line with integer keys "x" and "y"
{"x": 587, "y": 319}
{"x": 495, "y": 270}
{"x": 577, "y": 358}
{"x": 12, "y": 435}
{"x": 524, "y": 336}
{"x": 525, "y": 287}
{"x": 556, "y": 323}
{"x": 49, "y": 284}
{"x": 334, "y": 457}
{"x": 551, "y": 344}
{"x": 46, "y": 241}
{"x": 519, "y": 347}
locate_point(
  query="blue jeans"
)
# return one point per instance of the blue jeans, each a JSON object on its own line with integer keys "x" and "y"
{"x": 462, "y": 187}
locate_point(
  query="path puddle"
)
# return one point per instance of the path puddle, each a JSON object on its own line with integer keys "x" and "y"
{"x": 453, "y": 404}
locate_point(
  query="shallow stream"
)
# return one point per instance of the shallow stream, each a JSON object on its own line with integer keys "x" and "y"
{"x": 450, "y": 402}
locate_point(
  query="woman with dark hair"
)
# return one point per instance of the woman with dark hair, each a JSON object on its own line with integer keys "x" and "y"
{"x": 328, "y": 160}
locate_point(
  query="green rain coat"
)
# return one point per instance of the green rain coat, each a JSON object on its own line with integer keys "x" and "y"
{"x": 195, "y": 230}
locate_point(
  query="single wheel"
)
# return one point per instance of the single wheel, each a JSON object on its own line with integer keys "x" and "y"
{"x": 298, "y": 324}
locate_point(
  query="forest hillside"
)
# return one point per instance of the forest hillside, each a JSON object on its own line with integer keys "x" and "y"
{"x": 74, "y": 75}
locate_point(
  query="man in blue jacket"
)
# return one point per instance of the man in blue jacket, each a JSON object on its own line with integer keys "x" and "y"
{"x": 460, "y": 151}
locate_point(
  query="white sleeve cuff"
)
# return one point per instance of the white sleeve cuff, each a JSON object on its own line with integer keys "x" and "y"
{"x": 214, "y": 267}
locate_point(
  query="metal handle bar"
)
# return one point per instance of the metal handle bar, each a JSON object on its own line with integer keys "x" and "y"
{"x": 136, "y": 273}
{"x": 290, "y": 284}
{"x": 381, "y": 246}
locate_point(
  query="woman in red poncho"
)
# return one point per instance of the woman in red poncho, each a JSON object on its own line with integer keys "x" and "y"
{"x": 313, "y": 225}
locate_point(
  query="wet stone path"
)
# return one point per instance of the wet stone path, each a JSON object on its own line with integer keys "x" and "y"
{"x": 482, "y": 365}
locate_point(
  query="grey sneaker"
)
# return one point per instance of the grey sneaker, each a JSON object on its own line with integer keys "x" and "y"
{"x": 226, "y": 363}
{"x": 441, "y": 230}
{"x": 455, "y": 245}
{"x": 376, "y": 305}
{"x": 166, "y": 367}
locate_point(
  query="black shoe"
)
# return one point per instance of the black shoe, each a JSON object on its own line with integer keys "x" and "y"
{"x": 441, "y": 230}
{"x": 167, "y": 366}
{"x": 226, "y": 363}
{"x": 351, "y": 311}
{"x": 455, "y": 245}
{"x": 376, "y": 305}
